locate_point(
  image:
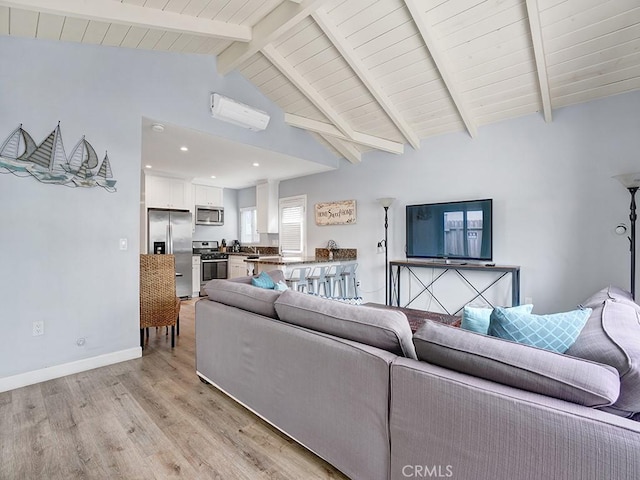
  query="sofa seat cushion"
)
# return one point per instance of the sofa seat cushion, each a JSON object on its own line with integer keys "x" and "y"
{"x": 385, "y": 329}
{"x": 244, "y": 296}
{"x": 612, "y": 336}
{"x": 521, "y": 366}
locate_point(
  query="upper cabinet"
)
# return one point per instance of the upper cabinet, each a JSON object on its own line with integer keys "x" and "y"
{"x": 207, "y": 196}
{"x": 164, "y": 192}
{"x": 267, "y": 206}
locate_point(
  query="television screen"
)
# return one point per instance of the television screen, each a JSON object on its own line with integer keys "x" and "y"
{"x": 453, "y": 230}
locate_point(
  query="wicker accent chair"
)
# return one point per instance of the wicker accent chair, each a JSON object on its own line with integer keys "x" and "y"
{"x": 159, "y": 305}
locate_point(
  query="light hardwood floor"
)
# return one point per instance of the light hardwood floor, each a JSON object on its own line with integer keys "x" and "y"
{"x": 148, "y": 418}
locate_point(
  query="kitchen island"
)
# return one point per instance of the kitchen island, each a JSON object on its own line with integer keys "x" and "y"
{"x": 266, "y": 263}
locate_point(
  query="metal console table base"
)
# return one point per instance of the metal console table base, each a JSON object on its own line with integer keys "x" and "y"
{"x": 396, "y": 267}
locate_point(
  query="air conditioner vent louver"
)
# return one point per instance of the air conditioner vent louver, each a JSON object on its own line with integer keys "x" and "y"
{"x": 228, "y": 110}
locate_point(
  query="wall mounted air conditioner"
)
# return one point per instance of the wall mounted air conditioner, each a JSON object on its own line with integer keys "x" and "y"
{"x": 229, "y": 110}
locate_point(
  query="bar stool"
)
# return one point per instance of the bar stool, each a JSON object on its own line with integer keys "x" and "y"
{"x": 348, "y": 280}
{"x": 297, "y": 280}
{"x": 318, "y": 279}
{"x": 332, "y": 277}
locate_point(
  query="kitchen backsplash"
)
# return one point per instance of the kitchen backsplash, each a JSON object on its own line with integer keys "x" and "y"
{"x": 338, "y": 253}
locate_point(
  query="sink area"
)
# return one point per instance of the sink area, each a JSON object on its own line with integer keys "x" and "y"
{"x": 262, "y": 257}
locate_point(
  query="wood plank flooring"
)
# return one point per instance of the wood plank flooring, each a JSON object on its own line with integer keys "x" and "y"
{"x": 149, "y": 418}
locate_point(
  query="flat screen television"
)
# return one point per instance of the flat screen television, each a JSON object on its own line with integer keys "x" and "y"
{"x": 452, "y": 230}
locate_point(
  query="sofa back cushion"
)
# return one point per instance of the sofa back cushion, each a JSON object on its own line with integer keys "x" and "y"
{"x": 612, "y": 336}
{"x": 521, "y": 366}
{"x": 243, "y": 295}
{"x": 276, "y": 276}
{"x": 385, "y": 329}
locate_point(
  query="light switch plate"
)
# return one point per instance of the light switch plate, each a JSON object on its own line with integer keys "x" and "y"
{"x": 124, "y": 244}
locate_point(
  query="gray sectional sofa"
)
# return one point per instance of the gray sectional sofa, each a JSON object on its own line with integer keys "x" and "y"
{"x": 345, "y": 381}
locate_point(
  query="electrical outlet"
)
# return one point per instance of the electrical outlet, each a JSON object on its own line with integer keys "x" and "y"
{"x": 38, "y": 328}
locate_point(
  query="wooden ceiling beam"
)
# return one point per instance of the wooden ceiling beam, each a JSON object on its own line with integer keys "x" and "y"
{"x": 277, "y": 22}
{"x": 327, "y": 129}
{"x": 341, "y": 43}
{"x": 347, "y": 150}
{"x": 127, "y": 14}
{"x": 307, "y": 89}
{"x": 533, "y": 13}
{"x": 442, "y": 64}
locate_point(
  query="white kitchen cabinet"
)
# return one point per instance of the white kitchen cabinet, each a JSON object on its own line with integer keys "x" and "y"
{"x": 267, "y": 206}
{"x": 196, "y": 275}
{"x": 165, "y": 192}
{"x": 237, "y": 266}
{"x": 207, "y": 195}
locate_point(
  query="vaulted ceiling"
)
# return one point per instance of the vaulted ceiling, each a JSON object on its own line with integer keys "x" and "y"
{"x": 376, "y": 74}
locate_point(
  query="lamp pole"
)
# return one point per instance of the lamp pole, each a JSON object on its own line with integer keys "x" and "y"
{"x": 386, "y": 203}
{"x": 632, "y": 218}
{"x": 631, "y": 181}
{"x": 386, "y": 254}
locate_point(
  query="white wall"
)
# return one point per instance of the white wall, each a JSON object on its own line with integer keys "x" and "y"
{"x": 59, "y": 250}
{"x": 555, "y": 203}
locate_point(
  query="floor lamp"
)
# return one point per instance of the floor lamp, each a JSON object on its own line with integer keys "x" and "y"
{"x": 386, "y": 203}
{"x": 631, "y": 181}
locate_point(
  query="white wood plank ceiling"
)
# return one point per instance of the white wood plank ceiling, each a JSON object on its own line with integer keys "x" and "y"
{"x": 376, "y": 74}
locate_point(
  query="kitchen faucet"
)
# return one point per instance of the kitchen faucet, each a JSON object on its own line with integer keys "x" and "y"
{"x": 255, "y": 250}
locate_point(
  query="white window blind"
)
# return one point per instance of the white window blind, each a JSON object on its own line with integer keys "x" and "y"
{"x": 293, "y": 225}
{"x": 249, "y": 225}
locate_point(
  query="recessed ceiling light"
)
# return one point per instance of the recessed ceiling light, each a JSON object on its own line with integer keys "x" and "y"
{"x": 213, "y": 176}
{"x": 256, "y": 164}
{"x": 184, "y": 149}
{"x": 148, "y": 166}
{"x": 157, "y": 127}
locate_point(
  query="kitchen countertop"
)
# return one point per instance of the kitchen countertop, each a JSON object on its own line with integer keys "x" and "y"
{"x": 276, "y": 260}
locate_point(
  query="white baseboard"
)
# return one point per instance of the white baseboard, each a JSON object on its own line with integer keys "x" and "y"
{"x": 49, "y": 373}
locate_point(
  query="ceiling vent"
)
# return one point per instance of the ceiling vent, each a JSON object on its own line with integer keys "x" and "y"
{"x": 229, "y": 110}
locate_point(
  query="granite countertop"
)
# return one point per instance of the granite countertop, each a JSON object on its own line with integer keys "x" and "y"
{"x": 276, "y": 260}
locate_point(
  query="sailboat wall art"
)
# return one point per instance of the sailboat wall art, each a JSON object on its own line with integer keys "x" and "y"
{"x": 47, "y": 162}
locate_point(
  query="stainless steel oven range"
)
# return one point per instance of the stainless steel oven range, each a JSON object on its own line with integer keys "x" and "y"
{"x": 213, "y": 264}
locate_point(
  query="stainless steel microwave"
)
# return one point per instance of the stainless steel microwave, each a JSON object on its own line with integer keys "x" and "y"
{"x": 209, "y": 215}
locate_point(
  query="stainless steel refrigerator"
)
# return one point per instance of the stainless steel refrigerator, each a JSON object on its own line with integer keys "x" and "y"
{"x": 170, "y": 232}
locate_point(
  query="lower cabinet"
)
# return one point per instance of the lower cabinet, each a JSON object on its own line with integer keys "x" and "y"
{"x": 237, "y": 266}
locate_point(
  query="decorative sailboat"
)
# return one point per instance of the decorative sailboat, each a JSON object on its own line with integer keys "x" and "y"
{"x": 15, "y": 150}
{"x": 104, "y": 175}
{"x": 48, "y": 162}
{"x": 48, "y": 158}
{"x": 84, "y": 176}
{"x": 81, "y": 153}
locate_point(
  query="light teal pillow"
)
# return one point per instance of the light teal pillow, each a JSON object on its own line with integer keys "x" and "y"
{"x": 281, "y": 286}
{"x": 555, "y": 332}
{"x": 476, "y": 319}
{"x": 263, "y": 281}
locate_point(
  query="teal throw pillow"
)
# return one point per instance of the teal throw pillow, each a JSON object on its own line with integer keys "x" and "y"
{"x": 281, "y": 286}
{"x": 263, "y": 281}
{"x": 476, "y": 319}
{"x": 555, "y": 332}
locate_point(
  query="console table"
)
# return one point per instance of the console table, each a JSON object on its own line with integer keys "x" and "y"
{"x": 396, "y": 267}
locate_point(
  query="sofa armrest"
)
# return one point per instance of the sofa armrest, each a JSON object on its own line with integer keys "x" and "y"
{"x": 475, "y": 428}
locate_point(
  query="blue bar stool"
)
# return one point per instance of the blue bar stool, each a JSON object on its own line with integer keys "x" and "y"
{"x": 319, "y": 281}
{"x": 297, "y": 280}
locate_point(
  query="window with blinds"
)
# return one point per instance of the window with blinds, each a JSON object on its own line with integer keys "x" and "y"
{"x": 249, "y": 225}
{"x": 293, "y": 225}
